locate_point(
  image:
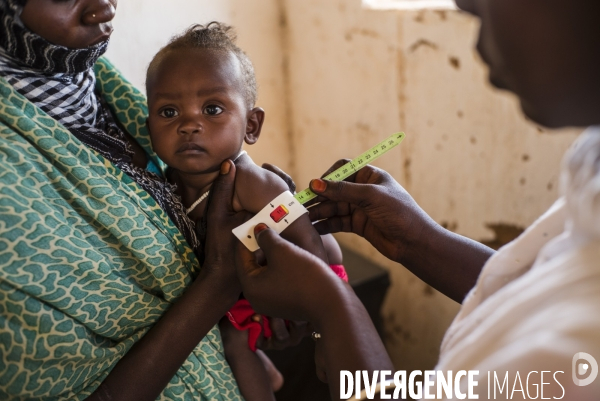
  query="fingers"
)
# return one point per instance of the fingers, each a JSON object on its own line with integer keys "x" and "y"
{"x": 356, "y": 189}
{"x": 336, "y": 217}
{"x": 328, "y": 209}
{"x": 334, "y": 225}
{"x": 330, "y": 170}
{"x": 282, "y": 174}
{"x": 281, "y": 335}
{"x": 246, "y": 264}
{"x": 286, "y": 333}
{"x": 270, "y": 242}
{"x": 342, "y": 191}
{"x": 335, "y": 166}
{"x": 223, "y": 190}
{"x": 287, "y": 285}
{"x": 280, "y": 252}
{"x": 261, "y": 340}
{"x": 298, "y": 330}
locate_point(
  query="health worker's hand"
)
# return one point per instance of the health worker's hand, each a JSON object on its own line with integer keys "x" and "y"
{"x": 294, "y": 284}
{"x": 373, "y": 205}
{"x": 297, "y": 285}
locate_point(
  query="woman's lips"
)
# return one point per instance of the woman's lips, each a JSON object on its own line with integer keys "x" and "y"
{"x": 100, "y": 39}
{"x": 190, "y": 147}
{"x": 107, "y": 31}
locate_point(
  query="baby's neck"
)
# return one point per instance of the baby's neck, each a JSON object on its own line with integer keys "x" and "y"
{"x": 190, "y": 187}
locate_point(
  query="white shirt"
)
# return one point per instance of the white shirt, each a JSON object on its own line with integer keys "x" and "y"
{"x": 537, "y": 301}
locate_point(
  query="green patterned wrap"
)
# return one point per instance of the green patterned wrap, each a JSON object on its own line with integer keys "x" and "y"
{"x": 88, "y": 260}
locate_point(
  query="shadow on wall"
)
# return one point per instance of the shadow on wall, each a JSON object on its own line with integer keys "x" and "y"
{"x": 503, "y": 234}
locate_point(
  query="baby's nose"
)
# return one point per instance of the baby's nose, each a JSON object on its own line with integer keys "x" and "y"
{"x": 190, "y": 127}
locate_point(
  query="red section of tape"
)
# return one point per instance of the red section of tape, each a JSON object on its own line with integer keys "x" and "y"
{"x": 279, "y": 213}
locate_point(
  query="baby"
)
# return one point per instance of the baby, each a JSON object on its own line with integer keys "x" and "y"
{"x": 201, "y": 97}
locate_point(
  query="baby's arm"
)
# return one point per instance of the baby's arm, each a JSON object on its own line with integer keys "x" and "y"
{"x": 255, "y": 187}
{"x": 334, "y": 252}
{"x": 247, "y": 367}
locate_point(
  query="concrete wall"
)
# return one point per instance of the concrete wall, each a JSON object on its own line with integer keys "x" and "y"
{"x": 335, "y": 78}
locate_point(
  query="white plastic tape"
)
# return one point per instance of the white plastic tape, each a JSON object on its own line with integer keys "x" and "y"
{"x": 278, "y": 215}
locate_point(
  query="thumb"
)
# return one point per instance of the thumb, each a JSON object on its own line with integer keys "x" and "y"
{"x": 223, "y": 189}
{"x": 280, "y": 252}
{"x": 270, "y": 244}
{"x": 341, "y": 191}
{"x": 269, "y": 241}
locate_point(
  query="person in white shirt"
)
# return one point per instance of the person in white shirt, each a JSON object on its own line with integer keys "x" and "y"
{"x": 531, "y": 311}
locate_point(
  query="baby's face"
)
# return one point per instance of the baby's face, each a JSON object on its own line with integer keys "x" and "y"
{"x": 197, "y": 112}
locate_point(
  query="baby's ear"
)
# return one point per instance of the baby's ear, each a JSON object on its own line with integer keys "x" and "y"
{"x": 254, "y": 124}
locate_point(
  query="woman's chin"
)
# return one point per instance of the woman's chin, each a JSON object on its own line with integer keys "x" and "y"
{"x": 543, "y": 115}
{"x": 498, "y": 83}
{"x": 531, "y": 109}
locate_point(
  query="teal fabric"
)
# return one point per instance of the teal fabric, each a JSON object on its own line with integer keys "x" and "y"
{"x": 153, "y": 168}
{"x": 88, "y": 261}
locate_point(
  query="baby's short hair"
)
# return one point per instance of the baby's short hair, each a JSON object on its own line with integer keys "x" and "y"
{"x": 214, "y": 36}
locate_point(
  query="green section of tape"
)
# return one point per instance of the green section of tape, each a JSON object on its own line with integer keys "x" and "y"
{"x": 356, "y": 164}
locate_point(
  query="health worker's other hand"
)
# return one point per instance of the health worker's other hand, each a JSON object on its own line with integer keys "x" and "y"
{"x": 220, "y": 260}
{"x": 297, "y": 285}
{"x": 373, "y": 205}
{"x": 294, "y": 284}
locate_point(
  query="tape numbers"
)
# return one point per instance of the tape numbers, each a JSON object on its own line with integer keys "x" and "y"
{"x": 286, "y": 208}
{"x": 355, "y": 164}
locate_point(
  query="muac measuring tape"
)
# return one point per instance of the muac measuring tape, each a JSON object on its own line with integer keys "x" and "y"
{"x": 286, "y": 208}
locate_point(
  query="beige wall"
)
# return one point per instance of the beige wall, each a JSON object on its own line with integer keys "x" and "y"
{"x": 335, "y": 78}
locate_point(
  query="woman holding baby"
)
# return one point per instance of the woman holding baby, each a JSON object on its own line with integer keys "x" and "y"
{"x": 101, "y": 296}
{"x": 112, "y": 282}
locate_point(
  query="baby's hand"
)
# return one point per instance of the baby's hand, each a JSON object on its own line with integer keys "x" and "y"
{"x": 286, "y": 333}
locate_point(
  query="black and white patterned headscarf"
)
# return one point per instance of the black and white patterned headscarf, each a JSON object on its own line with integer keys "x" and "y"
{"x": 61, "y": 82}
{"x": 55, "y": 78}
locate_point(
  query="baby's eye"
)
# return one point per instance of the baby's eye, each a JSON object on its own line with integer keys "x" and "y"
{"x": 213, "y": 110}
{"x": 168, "y": 113}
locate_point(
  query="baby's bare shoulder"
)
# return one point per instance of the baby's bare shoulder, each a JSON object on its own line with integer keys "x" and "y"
{"x": 255, "y": 186}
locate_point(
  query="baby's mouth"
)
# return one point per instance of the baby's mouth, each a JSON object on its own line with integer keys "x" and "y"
{"x": 190, "y": 147}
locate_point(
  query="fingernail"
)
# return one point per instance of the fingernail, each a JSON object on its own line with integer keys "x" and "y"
{"x": 225, "y": 167}
{"x": 259, "y": 228}
{"x": 318, "y": 185}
